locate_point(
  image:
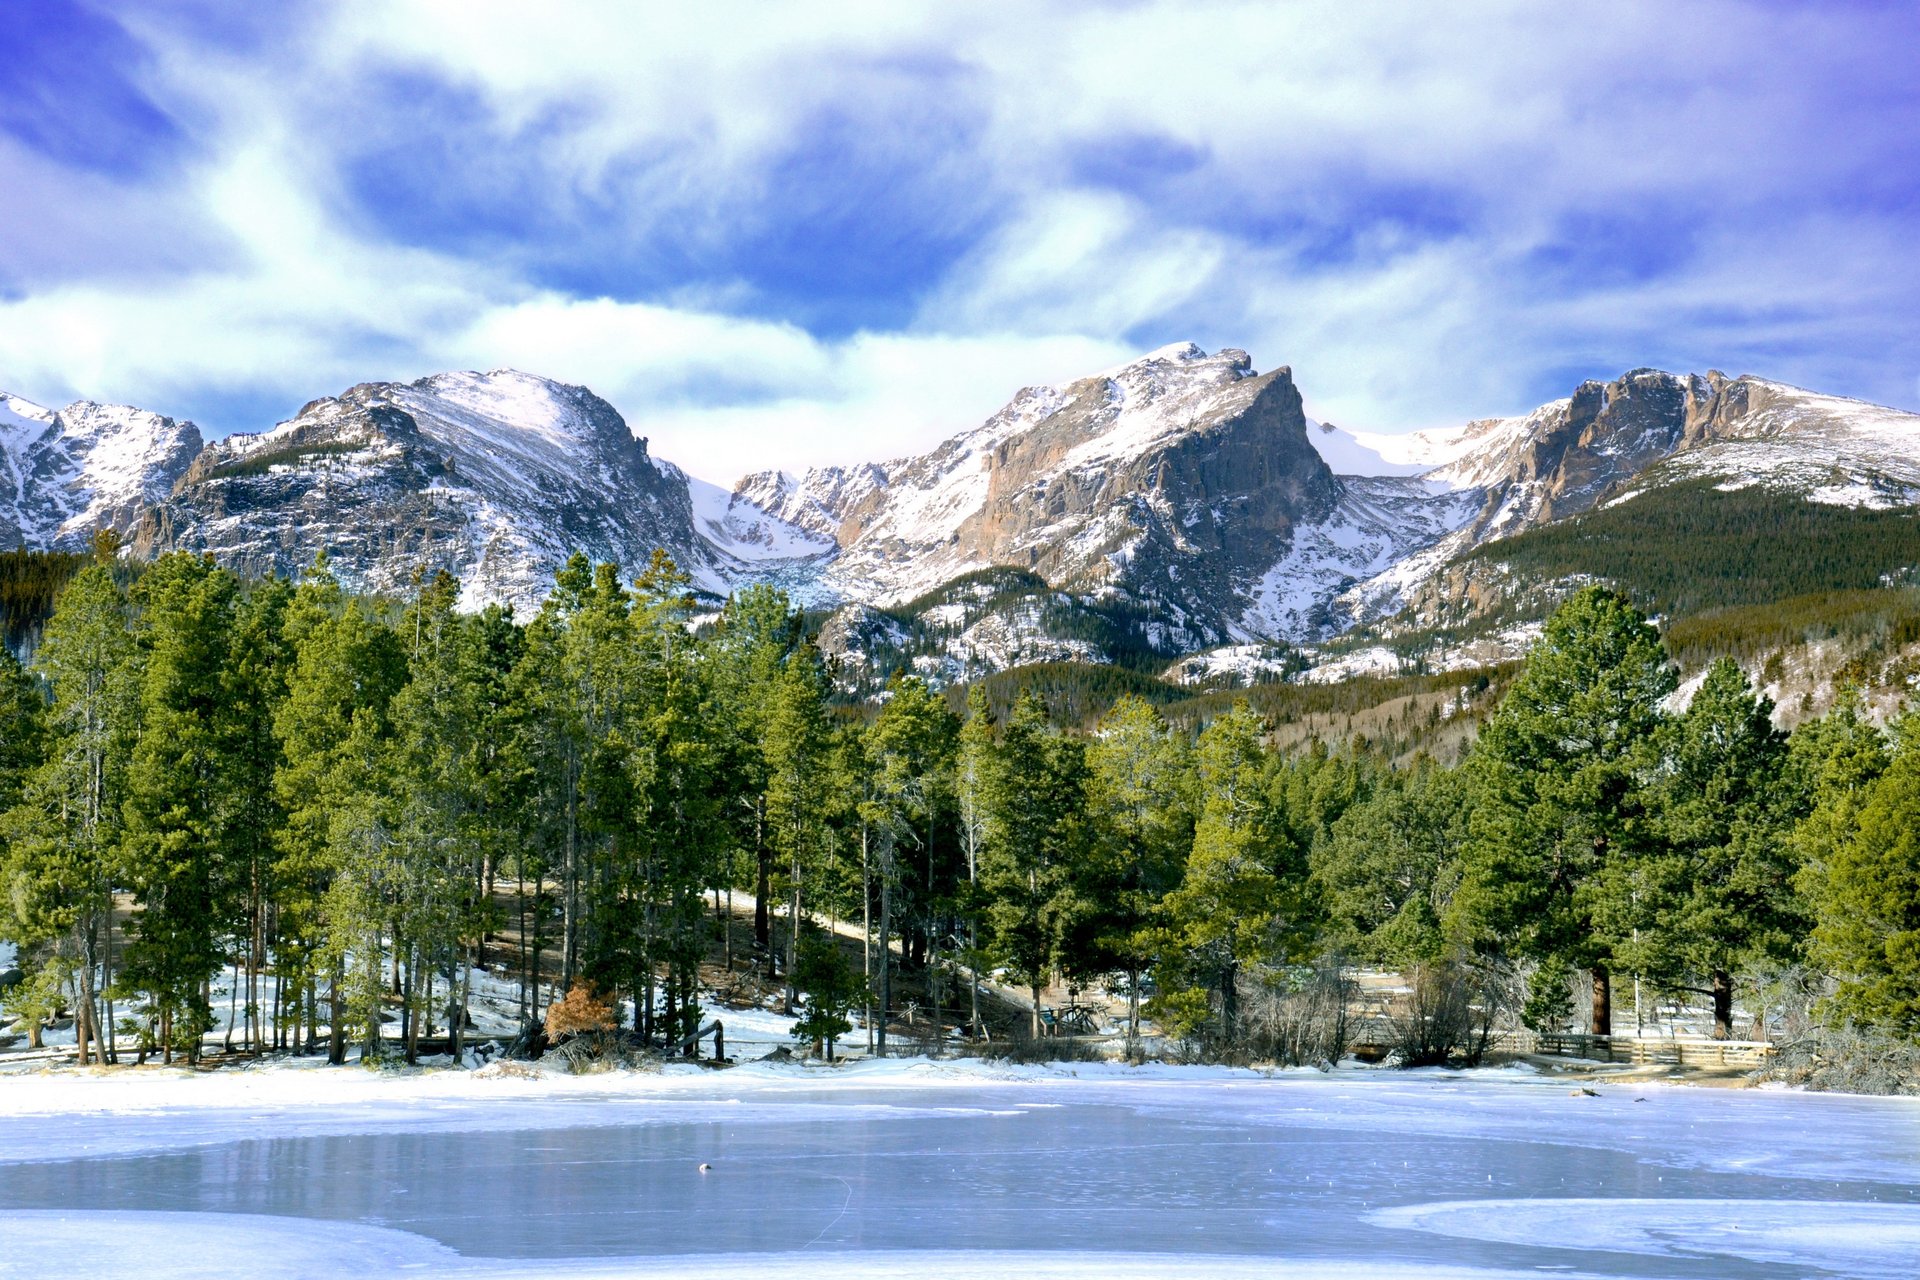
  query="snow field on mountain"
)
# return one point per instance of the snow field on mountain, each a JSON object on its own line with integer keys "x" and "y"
{"x": 741, "y": 529}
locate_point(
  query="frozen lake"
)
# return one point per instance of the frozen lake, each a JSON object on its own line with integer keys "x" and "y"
{"x": 897, "y": 1170}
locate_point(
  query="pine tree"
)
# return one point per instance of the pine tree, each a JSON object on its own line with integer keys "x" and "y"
{"x": 61, "y": 839}
{"x": 974, "y": 779}
{"x": 909, "y": 750}
{"x": 1140, "y": 788}
{"x": 438, "y": 916}
{"x": 1861, "y": 878}
{"x": 182, "y": 825}
{"x": 1390, "y": 868}
{"x": 366, "y": 879}
{"x": 1717, "y": 896}
{"x": 832, "y": 990}
{"x": 495, "y": 824}
{"x": 346, "y": 669}
{"x": 1560, "y": 777}
{"x": 1035, "y": 806}
{"x": 255, "y": 683}
{"x": 1832, "y": 764}
{"x": 1242, "y": 898}
{"x": 679, "y": 797}
{"x": 757, "y": 632}
{"x": 23, "y": 729}
{"x": 794, "y": 750}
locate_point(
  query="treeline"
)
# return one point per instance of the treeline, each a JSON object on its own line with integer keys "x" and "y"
{"x": 1688, "y": 548}
{"x": 349, "y": 798}
{"x": 29, "y": 581}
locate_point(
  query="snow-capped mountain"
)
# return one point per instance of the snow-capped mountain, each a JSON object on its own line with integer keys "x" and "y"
{"x": 495, "y": 477}
{"x": 1608, "y": 442}
{"x": 1181, "y": 487}
{"x": 1180, "y": 501}
{"x": 68, "y": 474}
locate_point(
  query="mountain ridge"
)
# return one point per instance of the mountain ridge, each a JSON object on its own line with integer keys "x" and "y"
{"x": 1172, "y": 504}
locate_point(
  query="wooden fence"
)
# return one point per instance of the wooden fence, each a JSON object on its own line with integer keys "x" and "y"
{"x": 1679, "y": 1051}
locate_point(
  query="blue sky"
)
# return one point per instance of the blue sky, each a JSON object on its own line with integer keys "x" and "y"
{"x": 777, "y": 235}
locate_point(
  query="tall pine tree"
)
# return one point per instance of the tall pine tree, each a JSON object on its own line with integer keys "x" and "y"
{"x": 1561, "y": 772}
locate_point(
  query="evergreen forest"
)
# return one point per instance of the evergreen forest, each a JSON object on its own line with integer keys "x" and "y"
{"x": 347, "y": 798}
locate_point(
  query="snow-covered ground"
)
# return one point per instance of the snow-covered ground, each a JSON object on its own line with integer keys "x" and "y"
{"x": 966, "y": 1168}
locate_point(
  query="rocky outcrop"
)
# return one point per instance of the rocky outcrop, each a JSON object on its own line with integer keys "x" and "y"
{"x": 1609, "y": 441}
{"x": 1163, "y": 506}
{"x": 1168, "y": 485}
{"x": 65, "y": 476}
{"x": 495, "y": 478}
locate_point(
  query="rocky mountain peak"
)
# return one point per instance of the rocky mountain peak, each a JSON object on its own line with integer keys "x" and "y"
{"x": 90, "y": 466}
{"x": 1163, "y": 481}
{"x": 1169, "y": 503}
{"x": 495, "y": 477}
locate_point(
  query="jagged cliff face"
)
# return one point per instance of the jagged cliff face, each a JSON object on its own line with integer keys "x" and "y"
{"x": 1609, "y": 441}
{"x": 493, "y": 477}
{"x": 64, "y": 476}
{"x": 1176, "y": 502}
{"x": 1169, "y": 484}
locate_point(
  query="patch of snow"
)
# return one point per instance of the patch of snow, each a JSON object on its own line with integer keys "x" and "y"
{"x": 1378, "y": 522}
{"x": 742, "y": 529}
{"x": 1859, "y": 1239}
{"x": 1352, "y": 453}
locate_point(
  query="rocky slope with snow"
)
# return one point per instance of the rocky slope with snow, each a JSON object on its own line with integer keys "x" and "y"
{"x": 68, "y": 474}
{"x": 494, "y": 477}
{"x": 1180, "y": 502}
{"x": 1181, "y": 488}
{"x": 1609, "y": 442}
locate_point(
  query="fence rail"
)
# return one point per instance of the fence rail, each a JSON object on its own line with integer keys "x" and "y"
{"x": 1681, "y": 1051}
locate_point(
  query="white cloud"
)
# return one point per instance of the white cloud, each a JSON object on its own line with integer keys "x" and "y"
{"x": 723, "y": 396}
{"x": 1362, "y": 194}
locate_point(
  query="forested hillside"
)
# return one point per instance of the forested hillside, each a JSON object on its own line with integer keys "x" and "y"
{"x": 340, "y": 793}
{"x": 29, "y": 581}
{"x": 1685, "y": 548}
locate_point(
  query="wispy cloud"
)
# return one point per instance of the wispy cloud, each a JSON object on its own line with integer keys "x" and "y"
{"x": 775, "y": 235}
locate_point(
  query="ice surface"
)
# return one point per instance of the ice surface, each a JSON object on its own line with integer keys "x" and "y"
{"x": 1857, "y": 1239}
{"x": 177, "y": 1246}
{"x": 909, "y": 1167}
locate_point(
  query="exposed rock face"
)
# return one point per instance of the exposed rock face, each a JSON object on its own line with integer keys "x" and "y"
{"x": 493, "y": 477}
{"x": 1170, "y": 484}
{"x": 1174, "y": 503}
{"x": 1609, "y": 441}
{"x": 66, "y": 475}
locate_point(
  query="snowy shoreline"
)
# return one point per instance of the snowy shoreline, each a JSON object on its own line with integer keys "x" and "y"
{"x": 126, "y": 1110}
{"x": 311, "y": 1081}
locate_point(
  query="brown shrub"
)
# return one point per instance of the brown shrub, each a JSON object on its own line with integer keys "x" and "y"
{"x": 582, "y": 1010}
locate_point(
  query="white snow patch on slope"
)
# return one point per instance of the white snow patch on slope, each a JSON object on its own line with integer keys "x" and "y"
{"x": 117, "y": 448}
{"x": 1350, "y": 453}
{"x": 1377, "y": 522}
{"x": 738, "y": 526}
{"x": 19, "y": 415}
{"x": 1156, "y": 398}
